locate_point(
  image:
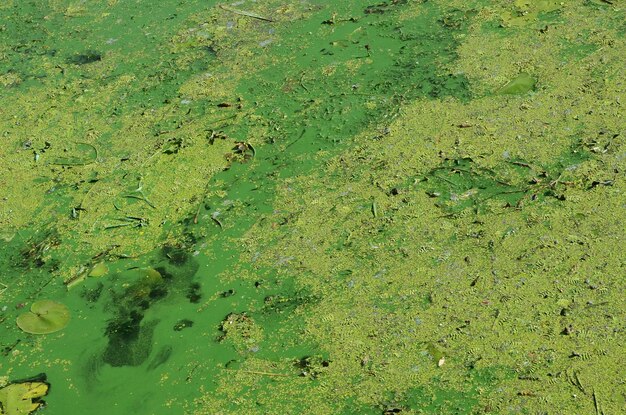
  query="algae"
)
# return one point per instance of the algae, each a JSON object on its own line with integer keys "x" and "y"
{"x": 331, "y": 193}
{"x": 481, "y": 270}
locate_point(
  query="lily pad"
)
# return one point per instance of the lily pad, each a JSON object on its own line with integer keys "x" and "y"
{"x": 22, "y": 398}
{"x": 152, "y": 274}
{"x": 44, "y": 317}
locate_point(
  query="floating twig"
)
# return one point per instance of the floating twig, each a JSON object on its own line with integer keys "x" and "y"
{"x": 74, "y": 214}
{"x": 195, "y": 217}
{"x": 596, "y": 404}
{"x": 520, "y": 163}
{"x": 76, "y": 279}
{"x": 76, "y": 161}
{"x": 302, "y": 83}
{"x": 444, "y": 179}
{"x": 217, "y": 221}
{"x": 141, "y": 197}
{"x": 258, "y": 372}
{"x": 40, "y": 289}
{"x": 495, "y": 319}
{"x": 190, "y": 375}
{"x": 8, "y": 349}
{"x": 121, "y": 225}
{"x": 140, "y": 194}
{"x": 253, "y": 150}
{"x": 575, "y": 380}
{"x": 134, "y": 221}
{"x": 596, "y": 304}
{"x": 297, "y": 139}
{"x": 246, "y": 13}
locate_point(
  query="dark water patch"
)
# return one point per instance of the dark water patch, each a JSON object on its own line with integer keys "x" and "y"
{"x": 92, "y": 294}
{"x": 312, "y": 366}
{"x": 281, "y": 303}
{"x": 351, "y": 407}
{"x": 457, "y": 19}
{"x": 160, "y": 358}
{"x": 383, "y": 7}
{"x": 130, "y": 343}
{"x": 165, "y": 273}
{"x": 85, "y": 58}
{"x": 459, "y": 184}
{"x": 193, "y": 293}
{"x": 130, "y": 338}
{"x": 35, "y": 251}
{"x": 175, "y": 255}
{"x": 227, "y": 293}
{"x": 183, "y": 324}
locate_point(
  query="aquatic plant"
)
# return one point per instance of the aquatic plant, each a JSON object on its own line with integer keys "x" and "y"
{"x": 521, "y": 84}
{"x": 44, "y": 317}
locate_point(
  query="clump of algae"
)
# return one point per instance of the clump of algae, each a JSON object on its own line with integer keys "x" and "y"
{"x": 131, "y": 170}
{"x": 418, "y": 275}
{"x": 529, "y": 293}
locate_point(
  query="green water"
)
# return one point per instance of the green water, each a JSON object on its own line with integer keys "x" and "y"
{"x": 403, "y": 207}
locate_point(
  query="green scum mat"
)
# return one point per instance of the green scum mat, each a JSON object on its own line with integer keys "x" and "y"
{"x": 270, "y": 207}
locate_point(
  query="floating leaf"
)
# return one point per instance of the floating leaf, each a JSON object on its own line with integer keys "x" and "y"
{"x": 7, "y": 235}
{"x": 150, "y": 275}
{"x": 99, "y": 270}
{"x": 80, "y": 154}
{"x": 435, "y": 353}
{"x": 519, "y": 85}
{"x": 44, "y": 317}
{"x": 22, "y": 398}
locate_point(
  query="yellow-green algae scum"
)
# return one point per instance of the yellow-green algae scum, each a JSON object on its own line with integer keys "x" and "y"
{"x": 422, "y": 209}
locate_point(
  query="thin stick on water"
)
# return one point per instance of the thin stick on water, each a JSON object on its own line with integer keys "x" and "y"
{"x": 257, "y": 372}
{"x": 246, "y": 13}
